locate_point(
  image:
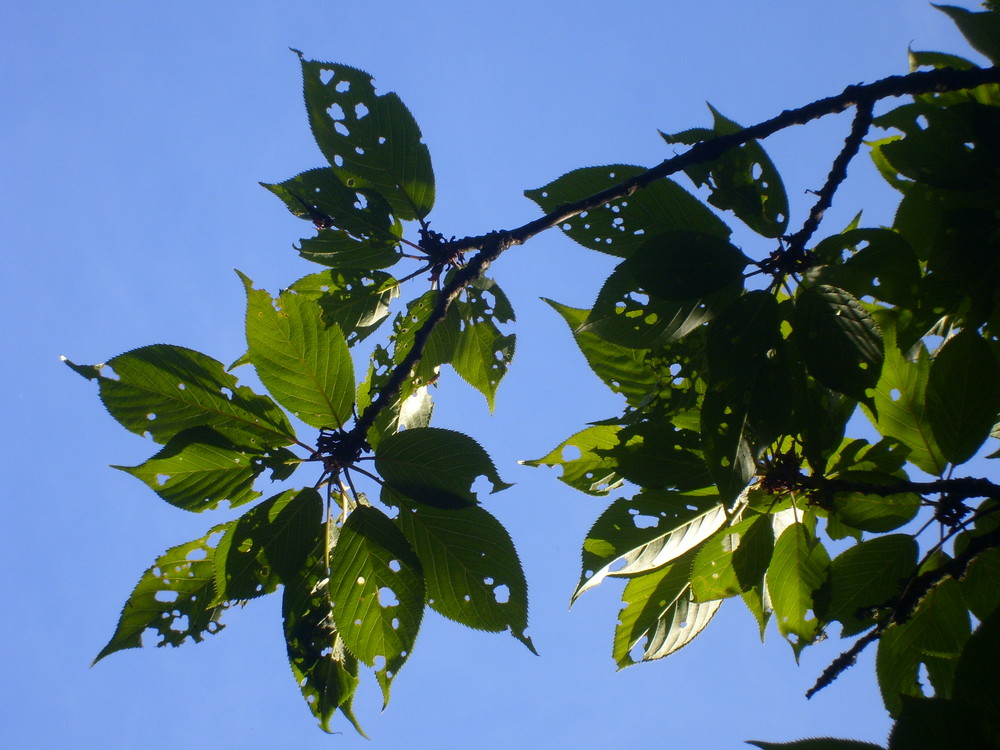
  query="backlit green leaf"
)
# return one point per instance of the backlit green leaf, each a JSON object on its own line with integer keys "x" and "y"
{"x": 325, "y": 671}
{"x": 592, "y": 471}
{"x": 482, "y": 353}
{"x": 963, "y": 396}
{"x": 733, "y": 560}
{"x": 173, "y": 597}
{"x": 370, "y": 140}
{"x": 471, "y": 570}
{"x": 377, "y": 590}
{"x": 356, "y": 301}
{"x": 798, "y": 568}
{"x": 303, "y": 362}
{"x": 660, "y": 615}
{"x": 268, "y": 544}
{"x": 981, "y": 30}
{"x": 199, "y": 468}
{"x": 164, "y": 390}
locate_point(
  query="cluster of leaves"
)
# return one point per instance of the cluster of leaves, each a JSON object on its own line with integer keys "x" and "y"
{"x": 740, "y": 376}
{"x": 354, "y": 578}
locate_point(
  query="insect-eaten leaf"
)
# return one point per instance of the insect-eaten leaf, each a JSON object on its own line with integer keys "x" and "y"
{"x": 435, "y": 466}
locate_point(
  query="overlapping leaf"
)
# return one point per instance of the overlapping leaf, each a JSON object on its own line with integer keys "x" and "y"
{"x": 173, "y": 597}
{"x": 435, "y": 466}
{"x": 163, "y": 390}
{"x": 733, "y": 560}
{"x": 377, "y": 590}
{"x": 267, "y": 545}
{"x": 798, "y": 569}
{"x": 303, "y": 362}
{"x": 482, "y": 353}
{"x": 621, "y": 228}
{"x": 370, "y": 140}
{"x": 593, "y": 471}
{"x": 471, "y": 570}
{"x": 356, "y": 301}
{"x": 647, "y": 532}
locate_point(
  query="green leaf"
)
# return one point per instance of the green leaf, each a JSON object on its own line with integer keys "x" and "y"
{"x": 798, "y": 568}
{"x": 377, "y": 587}
{"x": 636, "y": 536}
{"x": 866, "y": 575}
{"x": 733, "y": 561}
{"x": 981, "y": 30}
{"x": 657, "y": 455}
{"x": 882, "y": 265}
{"x": 978, "y": 585}
{"x": 624, "y": 370}
{"x": 593, "y": 471}
{"x": 660, "y": 616}
{"x": 875, "y": 513}
{"x": 268, "y": 544}
{"x": 743, "y": 180}
{"x": 304, "y": 363}
{"x": 435, "y": 466}
{"x": 939, "y": 628}
{"x": 163, "y": 390}
{"x": 817, "y": 743}
{"x": 325, "y": 671}
{"x": 684, "y": 264}
{"x": 935, "y": 723}
{"x": 371, "y": 141}
{"x": 840, "y": 342}
{"x": 963, "y": 396}
{"x": 482, "y": 353}
{"x": 173, "y": 597}
{"x": 625, "y": 315}
{"x": 199, "y": 468}
{"x": 900, "y": 403}
{"x": 355, "y": 301}
{"x": 359, "y": 216}
{"x": 441, "y": 343}
{"x": 749, "y": 391}
{"x": 976, "y": 675}
{"x": 471, "y": 570}
{"x": 621, "y": 228}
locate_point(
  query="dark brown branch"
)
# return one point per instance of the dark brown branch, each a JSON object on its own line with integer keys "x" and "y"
{"x": 906, "y": 604}
{"x": 923, "y": 82}
{"x": 795, "y": 251}
{"x": 491, "y": 246}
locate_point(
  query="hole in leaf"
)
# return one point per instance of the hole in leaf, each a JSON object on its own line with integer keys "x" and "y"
{"x": 162, "y": 479}
{"x": 387, "y": 597}
{"x": 335, "y": 111}
{"x": 180, "y": 623}
{"x": 343, "y": 87}
{"x": 502, "y": 593}
{"x": 341, "y": 128}
{"x": 394, "y": 566}
{"x": 166, "y": 596}
{"x": 360, "y": 110}
{"x": 571, "y": 453}
{"x": 325, "y": 76}
{"x": 378, "y": 663}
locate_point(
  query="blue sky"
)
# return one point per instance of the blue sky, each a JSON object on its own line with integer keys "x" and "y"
{"x": 134, "y": 134}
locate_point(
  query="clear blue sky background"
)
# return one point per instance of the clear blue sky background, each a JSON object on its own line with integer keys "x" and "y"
{"x": 133, "y": 136}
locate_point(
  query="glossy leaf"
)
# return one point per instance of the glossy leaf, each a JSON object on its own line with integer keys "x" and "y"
{"x": 435, "y": 466}
{"x": 370, "y": 140}
{"x": 325, "y": 671}
{"x": 163, "y": 390}
{"x": 377, "y": 590}
{"x": 840, "y": 342}
{"x": 303, "y": 362}
{"x": 268, "y": 544}
{"x": 963, "y": 396}
{"x": 199, "y": 468}
{"x": 620, "y": 228}
{"x": 471, "y": 570}
{"x": 660, "y": 615}
{"x": 173, "y": 597}
{"x": 798, "y": 568}
{"x": 626, "y": 546}
{"x": 593, "y": 471}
